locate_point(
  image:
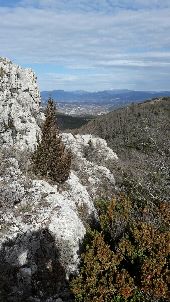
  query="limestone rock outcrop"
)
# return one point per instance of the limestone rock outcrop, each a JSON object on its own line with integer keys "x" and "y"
{"x": 42, "y": 223}
{"x": 19, "y": 105}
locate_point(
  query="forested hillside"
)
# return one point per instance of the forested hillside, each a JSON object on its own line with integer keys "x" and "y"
{"x": 139, "y": 134}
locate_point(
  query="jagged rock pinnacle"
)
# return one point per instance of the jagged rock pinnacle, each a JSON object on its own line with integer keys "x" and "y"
{"x": 19, "y": 105}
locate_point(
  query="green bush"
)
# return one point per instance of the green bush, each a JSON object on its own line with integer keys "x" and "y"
{"x": 50, "y": 159}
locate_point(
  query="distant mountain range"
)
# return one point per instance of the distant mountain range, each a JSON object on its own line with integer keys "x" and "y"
{"x": 116, "y": 97}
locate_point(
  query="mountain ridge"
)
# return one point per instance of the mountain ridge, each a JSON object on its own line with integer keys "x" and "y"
{"x": 115, "y": 97}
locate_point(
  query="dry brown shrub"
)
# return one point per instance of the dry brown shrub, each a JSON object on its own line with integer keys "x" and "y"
{"x": 131, "y": 265}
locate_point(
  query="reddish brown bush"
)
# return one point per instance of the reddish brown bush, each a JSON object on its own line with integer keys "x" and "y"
{"x": 127, "y": 262}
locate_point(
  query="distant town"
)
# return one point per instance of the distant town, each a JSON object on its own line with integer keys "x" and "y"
{"x": 83, "y": 109}
{"x": 80, "y": 103}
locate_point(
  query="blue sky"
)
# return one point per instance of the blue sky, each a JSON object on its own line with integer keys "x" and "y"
{"x": 90, "y": 45}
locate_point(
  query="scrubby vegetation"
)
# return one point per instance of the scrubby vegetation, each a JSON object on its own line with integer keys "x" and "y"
{"x": 126, "y": 257}
{"x": 68, "y": 122}
{"x": 50, "y": 159}
{"x": 139, "y": 135}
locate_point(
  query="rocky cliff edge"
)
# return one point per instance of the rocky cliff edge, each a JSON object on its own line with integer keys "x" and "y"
{"x": 42, "y": 224}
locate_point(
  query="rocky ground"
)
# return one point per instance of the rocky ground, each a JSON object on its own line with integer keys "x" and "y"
{"x": 42, "y": 223}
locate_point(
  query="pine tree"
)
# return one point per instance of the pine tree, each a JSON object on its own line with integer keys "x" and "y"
{"x": 50, "y": 159}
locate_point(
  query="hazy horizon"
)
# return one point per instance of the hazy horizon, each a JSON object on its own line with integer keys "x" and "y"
{"x": 114, "y": 89}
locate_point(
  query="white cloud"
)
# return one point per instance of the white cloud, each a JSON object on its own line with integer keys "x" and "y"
{"x": 126, "y": 42}
{"x": 45, "y": 35}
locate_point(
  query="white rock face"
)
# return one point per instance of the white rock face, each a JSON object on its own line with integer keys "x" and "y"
{"x": 63, "y": 212}
{"x": 34, "y": 210}
{"x": 19, "y": 105}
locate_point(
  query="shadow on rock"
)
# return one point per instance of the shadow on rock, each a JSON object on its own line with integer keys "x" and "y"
{"x": 30, "y": 269}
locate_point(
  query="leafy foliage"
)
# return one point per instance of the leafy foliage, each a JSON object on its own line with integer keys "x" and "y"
{"x": 125, "y": 259}
{"x": 50, "y": 158}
